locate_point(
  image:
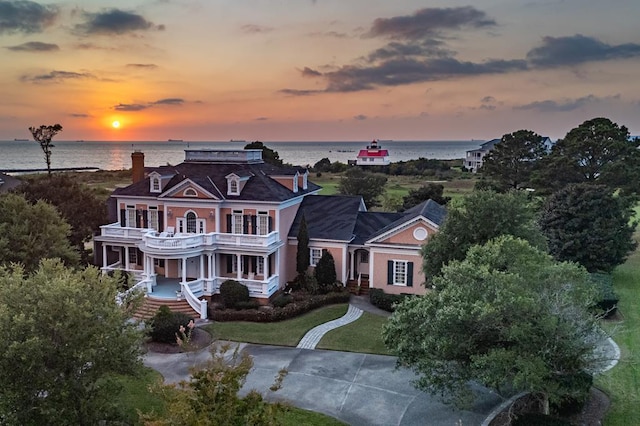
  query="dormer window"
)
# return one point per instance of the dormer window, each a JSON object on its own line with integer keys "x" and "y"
{"x": 155, "y": 184}
{"x": 234, "y": 187}
{"x": 304, "y": 180}
{"x": 295, "y": 183}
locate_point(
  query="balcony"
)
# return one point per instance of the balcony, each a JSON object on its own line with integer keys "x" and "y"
{"x": 114, "y": 230}
{"x": 246, "y": 240}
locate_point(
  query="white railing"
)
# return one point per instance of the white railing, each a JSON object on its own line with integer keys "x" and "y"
{"x": 262, "y": 288}
{"x": 247, "y": 240}
{"x": 115, "y": 230}
{"x": 176, "y": 242}
{"x": 189, "y": 291}
{"x": 141, "y": 286}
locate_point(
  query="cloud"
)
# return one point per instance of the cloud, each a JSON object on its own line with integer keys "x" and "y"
{"x": 255, "y": 29}
{"x": 332, "y": 34}
{"x": 142, "y": 66}
{"x": 428, "y": 22}
{"x": 261, "y": 118}
{"x": 130, "y": 107}
{"x": 577, "y": 49}
{"x": 34, "y": 46}
{"x": 488, "y": 99}
{"x": 308, "y": 72}
{"x": 147, "y": 105}
{"x": 115, "y": 21}
{"x": 25, "y": 16}
{"x": 169, "y": 101}
{"x": 564, "y": 105}
{"x": 428, "y": 48}
{"x": 296, "y": 92}
{"x": 360, "y": 117}
{"x": 79, "y": 115}
{"x": 56, "y": 77}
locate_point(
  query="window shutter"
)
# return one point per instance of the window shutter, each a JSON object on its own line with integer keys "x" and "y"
{"x": 160, "y": 221}
{"x": 389, "y": 272}
{"x": 254, "y": 224}
{"x": 245, "y": 223}
{"x": 410, "y": 274}
{"x": 123, "y": 217}
{"x": 270, "y": 224}
{"x": 245, "y": 263}
{"x": 229, "y": 264}
{"x": 254, "y": 264}
{"x": 139, "y": 257}
{"x": 138, "y": 218}
{"x": 145, "y": 218}
{"x": 229, "y": 224}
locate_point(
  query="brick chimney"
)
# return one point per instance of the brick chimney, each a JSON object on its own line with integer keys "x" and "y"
{"x": 137, "y": 166}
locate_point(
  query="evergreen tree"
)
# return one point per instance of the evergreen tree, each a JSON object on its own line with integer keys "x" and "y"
{"x": 368, "y": 185}
{"x": 268, "y": 155}
{"x": 325, "y": 271}
{"x": 303, "y": 255}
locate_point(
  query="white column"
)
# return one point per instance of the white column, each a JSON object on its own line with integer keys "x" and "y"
{"x": 345, "y": 261}
{"x": 353, "y": 266}
{"x": 202, "y": 266}
{"x": 238, "y": 267}
{"x": 126, "y": 258}
{"x": 265, "y": 262}
{"x": 184, "y": 269}
{"x": 218, "y": 219}
{"x": 104, "y": 257}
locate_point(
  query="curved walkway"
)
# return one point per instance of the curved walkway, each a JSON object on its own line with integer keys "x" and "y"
{"x": 313, "y": 336}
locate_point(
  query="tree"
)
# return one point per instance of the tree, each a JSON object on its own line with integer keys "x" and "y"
{"x": 325, "y": 271}
{"x": 324, "y": 165}
{"x": 43, "y": 135}
{"x": 368, "y": 185}
{"x": 31, "y": 232}
{"x": 513, "y": 159}
{"x": 508, "y": 317}
{"x": 589, "y": 225}
{"x": 64, "y": 338}
{"x": 303, "y": 255}
{"x": 476, "y": 219}
{"x": 77, "y": 204}
{"x": 268, "y": 155}
{"x": 430, "y": 191}
{"x": 599, "y": 152}
{"x": 211, "y": 396}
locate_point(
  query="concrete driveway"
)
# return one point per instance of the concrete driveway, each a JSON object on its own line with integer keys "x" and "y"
{"x": 359, "y": 389}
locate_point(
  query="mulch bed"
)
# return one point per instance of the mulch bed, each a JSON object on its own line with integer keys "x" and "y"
{"x": 199, "y": 339}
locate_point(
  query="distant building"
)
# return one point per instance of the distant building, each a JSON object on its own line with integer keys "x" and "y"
{"x": 373, "y": 155}
{"x": 474, "y": 158}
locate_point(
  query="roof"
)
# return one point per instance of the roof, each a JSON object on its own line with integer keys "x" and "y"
{"x": 368, "y": 224}
{"x": 328, "y": 217}
{"x": 373, "y": 153}
{"x": 488, "y": 145}
{"x": 213, "y": 178}
{"x": 428, "y": 209}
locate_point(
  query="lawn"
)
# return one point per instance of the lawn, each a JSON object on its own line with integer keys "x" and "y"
{"x": 283, "y": 333}
{"x": 622, "y": 383}
{"x": 363, "y": 335}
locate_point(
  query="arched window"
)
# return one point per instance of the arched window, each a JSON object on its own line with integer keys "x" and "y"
{"x": 191, "y": 223}
{"x": 190, "y": 192}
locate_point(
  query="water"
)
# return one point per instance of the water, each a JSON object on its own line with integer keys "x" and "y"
{"x": 117, "y": 155}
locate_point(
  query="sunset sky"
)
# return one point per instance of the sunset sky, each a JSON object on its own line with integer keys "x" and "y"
{"x": 316, "y": 70}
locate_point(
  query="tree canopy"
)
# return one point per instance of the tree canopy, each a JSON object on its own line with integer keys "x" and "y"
{"x": 430, "y": 191}
{"x": 513, "y": 159}
{"x": 366, "y": 184}
{"x": 43, "y": 135}
{"x": 476, "y": 219}
{"x": 508, "y": 317}
{"x": 77, "y": 204}
{"x": 31, "y": 232}
{"x": 303, "y": 255}
{"x": 597, "y": 151}
{"x": 64, "y": 337}
{"x": 268, "y": 155}
{"x": 587, "y": 224}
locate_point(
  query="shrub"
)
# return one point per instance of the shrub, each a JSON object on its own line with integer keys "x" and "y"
{"x": 385, "y": 301}
{"x": 325, "y": 272}
{"x": 249, "y": 304}
{"x": 607, "y": 299}
{"x": 537, "y": 419}
{"x": 576, "y": 389}
{"x": 166, "y": 323}
{"x": 233, "y": 292}
{"x": 282, "y": 300}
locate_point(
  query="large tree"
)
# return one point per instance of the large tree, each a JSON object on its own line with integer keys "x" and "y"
{"x": 77, "y": 204}
{"x": 63, "y": 339}
{"x": 475, "y": 219}
{"x": 31, "y": 232}
{"x": 43, "y": 135}
{"x": 268, "y": 155}
{"x": 513, "y": 159}
{"x": 589, "y": 225}
{"x": 430, "y": 191}
{"x": 303, "y": 255}
{"x": 366, "y": 184}
{"x": 508, "y": 317}
{"x": 597, "y": 151}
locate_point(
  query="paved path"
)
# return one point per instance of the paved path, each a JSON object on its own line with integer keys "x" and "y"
{"x": 313, "y": 336}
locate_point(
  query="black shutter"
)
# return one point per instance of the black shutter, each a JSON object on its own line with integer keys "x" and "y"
{"x": 229, "y": 224}
{"x": 254, "y": 264}
{"x": 254, "y": 224}
{"x": 145, "y": 218}
{"x": 123, "y": 217}
{"x": 138, "y": 218}
{"x": 389, "y": 272}
{"x": 245, "y": 223}
{"x": 270, "y": 224}
{"x": 139, "y": 257}
{"x": 245, "y": 263}
{"x": 229, "y": 263}
{"x": 410, "y": 274}
{"x": 160, "y": 221}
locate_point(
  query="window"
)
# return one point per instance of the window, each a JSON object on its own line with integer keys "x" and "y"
{"x": 263, "y": 223}
{"x": 191, "y": 223}
{"x": 153, "y": 218}
{"x": 155, "y": 184}
{"x": 364, "y": 257}
{"x": 260, "y": 268}
{"x": 400, "y": 272}
{"x": 133, "y": 255}
{"x": 314, "y": 256}
{"x": 131, "y": 216}
{"x": 237, "y": 222}
{"x": 234, "y": 187}
{"x": 190, "y": 192}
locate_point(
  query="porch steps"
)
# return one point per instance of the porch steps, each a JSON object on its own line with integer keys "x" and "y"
{"x": 352, "y": 286}
{"x": 151, "y": 305}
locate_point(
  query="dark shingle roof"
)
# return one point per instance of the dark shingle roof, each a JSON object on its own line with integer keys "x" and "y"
{"x": 368, "y": 224}
{"x": 328, "y": 217}
{"x": 428, "y": 209}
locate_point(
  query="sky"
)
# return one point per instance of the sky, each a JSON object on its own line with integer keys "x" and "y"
{"x": 279, "y": 70}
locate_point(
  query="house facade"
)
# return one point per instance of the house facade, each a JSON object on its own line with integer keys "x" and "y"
{"x": 223, "y": 215}
{"x": 474, "y": 159}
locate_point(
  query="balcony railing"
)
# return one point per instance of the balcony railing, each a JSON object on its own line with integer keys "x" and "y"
{"x": 115, "y": 230}
{"x": 183, "y": 241}
{"x": 247, "y": 240}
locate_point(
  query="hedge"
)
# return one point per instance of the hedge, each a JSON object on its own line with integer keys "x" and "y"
{"x": 385, "y": 301}
{"x": 293, "y": 309}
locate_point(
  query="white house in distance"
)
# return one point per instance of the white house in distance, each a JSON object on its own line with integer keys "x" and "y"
{"x": 373, "y": 155}
{"x": 474, "y": 158}
{"x": 181, "y": 231}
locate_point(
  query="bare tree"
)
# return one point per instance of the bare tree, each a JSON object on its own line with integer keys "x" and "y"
{"x": 43, "y": 136}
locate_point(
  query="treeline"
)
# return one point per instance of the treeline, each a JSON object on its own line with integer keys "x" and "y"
{"x": 419, "y": 167}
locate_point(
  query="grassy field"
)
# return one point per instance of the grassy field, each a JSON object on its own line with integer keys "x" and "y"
{"x": 363, "y": 335}
{"x": 622, "y": 383}
{"x": 283, "y": 333}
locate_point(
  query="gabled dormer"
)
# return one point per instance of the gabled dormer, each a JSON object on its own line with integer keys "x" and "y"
{"x": 236, "y": 182}
{"x": 158, "y": 182}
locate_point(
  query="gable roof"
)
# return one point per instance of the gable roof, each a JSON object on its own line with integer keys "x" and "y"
{"x": 429, "y": 209}
{"x": 368, "y": 224}
{"x": 328, "y": 217}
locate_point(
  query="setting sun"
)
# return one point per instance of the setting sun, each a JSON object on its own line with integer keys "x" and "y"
{"x": 115, "y": 124}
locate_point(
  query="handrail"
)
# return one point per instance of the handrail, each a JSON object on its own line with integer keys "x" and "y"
{"x": 122, "y": 295}
{"x": 200, "y": 306}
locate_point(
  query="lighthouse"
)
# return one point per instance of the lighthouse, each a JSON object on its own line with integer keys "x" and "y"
{"x": 373, "y": 155}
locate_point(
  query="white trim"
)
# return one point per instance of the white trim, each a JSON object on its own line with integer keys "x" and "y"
{"x": 402, "y": 227}
{"x": 170, "y": 193}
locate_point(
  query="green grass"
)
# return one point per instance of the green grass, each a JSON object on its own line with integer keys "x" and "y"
{"x": 136, "y": 394}
{"x": 363, "y": 335}
{"x": 297, "y": 416}
{"x": 283, "y": 333}
{"x": 622, "y": 383}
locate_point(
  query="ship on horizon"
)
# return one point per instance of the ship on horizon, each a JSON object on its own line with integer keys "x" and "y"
{"x": 20, "y": 140}
{"x": 237, "y": 140}
{"x": 175, "y": 140}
